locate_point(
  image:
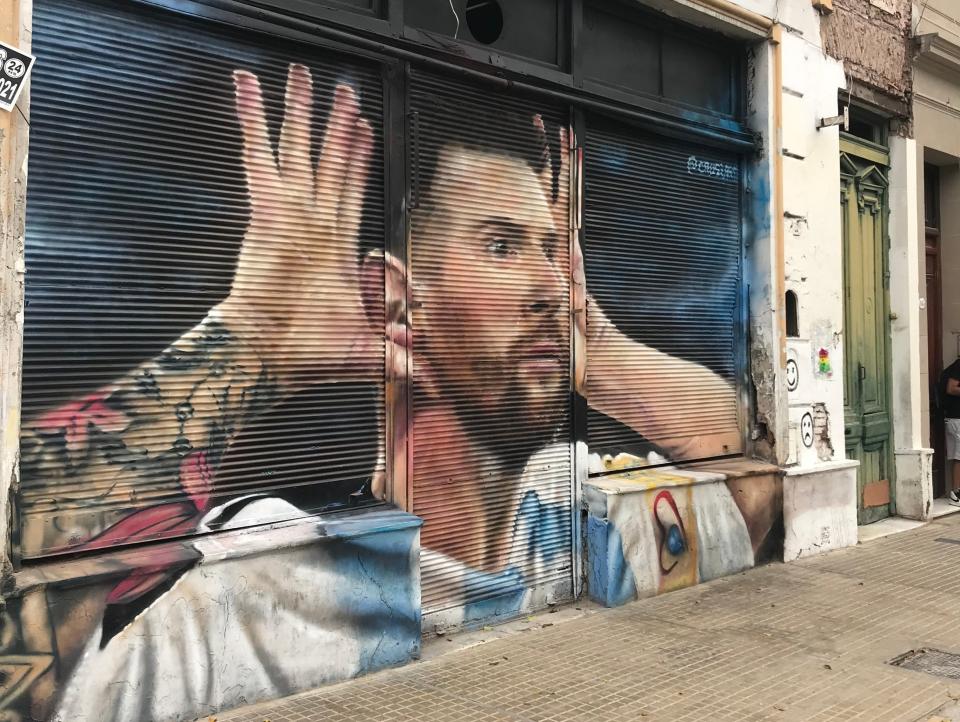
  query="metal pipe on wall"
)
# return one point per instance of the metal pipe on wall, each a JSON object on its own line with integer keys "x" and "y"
{"x": 776, "y": 40}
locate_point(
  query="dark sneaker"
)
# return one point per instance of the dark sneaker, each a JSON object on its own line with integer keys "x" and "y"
{"x": 953, "y": 498}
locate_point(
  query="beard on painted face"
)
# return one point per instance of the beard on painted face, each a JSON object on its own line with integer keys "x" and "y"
{"x": 489, "y": 294}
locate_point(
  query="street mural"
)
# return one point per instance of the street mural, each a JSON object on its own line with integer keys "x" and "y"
{"x": 270, "y": 405}
{"x": 651, "y": 531}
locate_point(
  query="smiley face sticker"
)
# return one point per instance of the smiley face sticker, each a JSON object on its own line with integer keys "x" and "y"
{"x": 806, "y": 430}
{"x": 793, "y": 375}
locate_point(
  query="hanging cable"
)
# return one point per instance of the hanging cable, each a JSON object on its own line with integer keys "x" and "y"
{"x": 454, "y": 11}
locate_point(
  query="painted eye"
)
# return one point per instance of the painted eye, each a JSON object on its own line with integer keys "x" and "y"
{"x": 673, "y": 537}
{"x": 550, "y": 248}
{"x": 500, "y": 247}
{"x": 675, "y": 542}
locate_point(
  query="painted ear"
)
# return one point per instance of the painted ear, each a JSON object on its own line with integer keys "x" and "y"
{"x": 383, "y": 276}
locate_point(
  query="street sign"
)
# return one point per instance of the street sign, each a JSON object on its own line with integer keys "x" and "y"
{"x": 14, "y": 68}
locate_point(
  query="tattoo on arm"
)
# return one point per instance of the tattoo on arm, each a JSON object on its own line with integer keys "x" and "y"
{"x": 162, "y": 428}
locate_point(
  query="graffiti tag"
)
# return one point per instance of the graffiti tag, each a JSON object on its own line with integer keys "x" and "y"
{"x": 713, "y": 169}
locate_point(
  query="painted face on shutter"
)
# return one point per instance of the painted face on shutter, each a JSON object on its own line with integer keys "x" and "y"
{"x": 487, "y": 307}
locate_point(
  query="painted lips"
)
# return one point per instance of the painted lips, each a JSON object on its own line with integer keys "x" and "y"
{"x": 544, "y": 356}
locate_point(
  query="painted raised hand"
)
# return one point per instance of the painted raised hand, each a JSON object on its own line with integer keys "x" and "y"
{"x": 296, "y": 297}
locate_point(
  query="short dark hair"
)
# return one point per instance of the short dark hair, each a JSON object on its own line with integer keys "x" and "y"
{"x": 491, "y": 130}
{"x": 509, "y": 133}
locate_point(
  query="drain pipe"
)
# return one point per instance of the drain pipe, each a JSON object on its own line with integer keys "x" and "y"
{"x": 776, "y": 40}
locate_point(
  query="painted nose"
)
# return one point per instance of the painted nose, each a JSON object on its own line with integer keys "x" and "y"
{"x": 548, "y": 289}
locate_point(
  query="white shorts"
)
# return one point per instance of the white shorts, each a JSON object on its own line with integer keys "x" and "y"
{"x": 952, "y": 429}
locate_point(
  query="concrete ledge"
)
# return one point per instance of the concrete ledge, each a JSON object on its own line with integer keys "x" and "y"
{"x": 252, "y": 540}
{"x": 821, "y": 468}
{"x": 942, "y": 507}
{"x": 886, "y": 527}
{"x": 913, "y": 497}
{"x": 819, "y": 509}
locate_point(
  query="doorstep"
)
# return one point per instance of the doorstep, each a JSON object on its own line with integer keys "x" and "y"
{"x": 896, "y": 524}
{"x": 886, "y": 527}
{"x": 941, "y": 507}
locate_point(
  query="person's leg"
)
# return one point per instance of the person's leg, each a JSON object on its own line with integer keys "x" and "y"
{"x": 952, "y": 429}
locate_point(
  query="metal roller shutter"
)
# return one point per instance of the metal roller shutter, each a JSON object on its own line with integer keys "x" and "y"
{"x": 662, "y": 260}
{"x": 492, "y": 472}
{"x": 137, "y": 210}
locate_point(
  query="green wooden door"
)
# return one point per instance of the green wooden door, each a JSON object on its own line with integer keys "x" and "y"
{"x": 867, "y": 423}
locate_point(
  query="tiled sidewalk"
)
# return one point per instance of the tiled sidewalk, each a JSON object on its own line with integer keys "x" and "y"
{"x": 802, "y": 641}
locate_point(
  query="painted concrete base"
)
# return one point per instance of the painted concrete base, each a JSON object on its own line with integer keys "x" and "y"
{"x": 239, "y": 617}
{"x": 819, "y": 509}
{"x": 656, "y": 530}
{"x": 914, "y": 487}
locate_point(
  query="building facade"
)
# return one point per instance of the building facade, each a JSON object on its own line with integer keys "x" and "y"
{"x": 936, "y": 30}
{"x": 884, "y": 391}
{"x": 333, "y": 324}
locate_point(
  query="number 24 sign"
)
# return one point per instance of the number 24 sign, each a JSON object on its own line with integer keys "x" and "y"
{"x": 14, "y": 68}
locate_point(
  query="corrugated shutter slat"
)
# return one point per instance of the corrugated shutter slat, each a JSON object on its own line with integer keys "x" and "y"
{"x": 662, "y": 260}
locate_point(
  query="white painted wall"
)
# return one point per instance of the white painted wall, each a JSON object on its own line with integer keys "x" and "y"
{"x": 813, "y": 246}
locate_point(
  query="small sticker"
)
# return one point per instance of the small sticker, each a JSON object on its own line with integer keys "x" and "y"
{"x": 823, "y": 363}
{"x": 15, "y": 67}
{"x": 806, "y": 430}
{"x": 793, "y": 375}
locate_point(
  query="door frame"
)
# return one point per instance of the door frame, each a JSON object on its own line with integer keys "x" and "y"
{"x": 932, "y": 270}
{"x": 879, "y": 156}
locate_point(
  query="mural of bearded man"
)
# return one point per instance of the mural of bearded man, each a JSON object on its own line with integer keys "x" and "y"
{"x": 303, "y": 276}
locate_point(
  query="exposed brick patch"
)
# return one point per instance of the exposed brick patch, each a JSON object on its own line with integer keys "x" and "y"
{"x": 873, "y": 43}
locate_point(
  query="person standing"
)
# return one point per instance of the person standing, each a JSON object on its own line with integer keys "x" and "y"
{"x": 950, "y": 393}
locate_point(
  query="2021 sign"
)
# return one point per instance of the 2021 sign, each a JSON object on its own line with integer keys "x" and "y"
{"x": 14, "y": 69}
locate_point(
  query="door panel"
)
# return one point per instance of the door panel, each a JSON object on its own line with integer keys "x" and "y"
{"x": 866, "y": 340}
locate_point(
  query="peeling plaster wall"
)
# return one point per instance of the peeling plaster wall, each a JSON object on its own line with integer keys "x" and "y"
{"x": 769, "y": 422}
{"x": 813, "y": 248}
{"x": 819, "y": 510}
{"x": 873, "y": 39}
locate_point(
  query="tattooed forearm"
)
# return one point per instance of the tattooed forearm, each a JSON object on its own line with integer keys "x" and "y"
{"x": 158, "y": 431}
